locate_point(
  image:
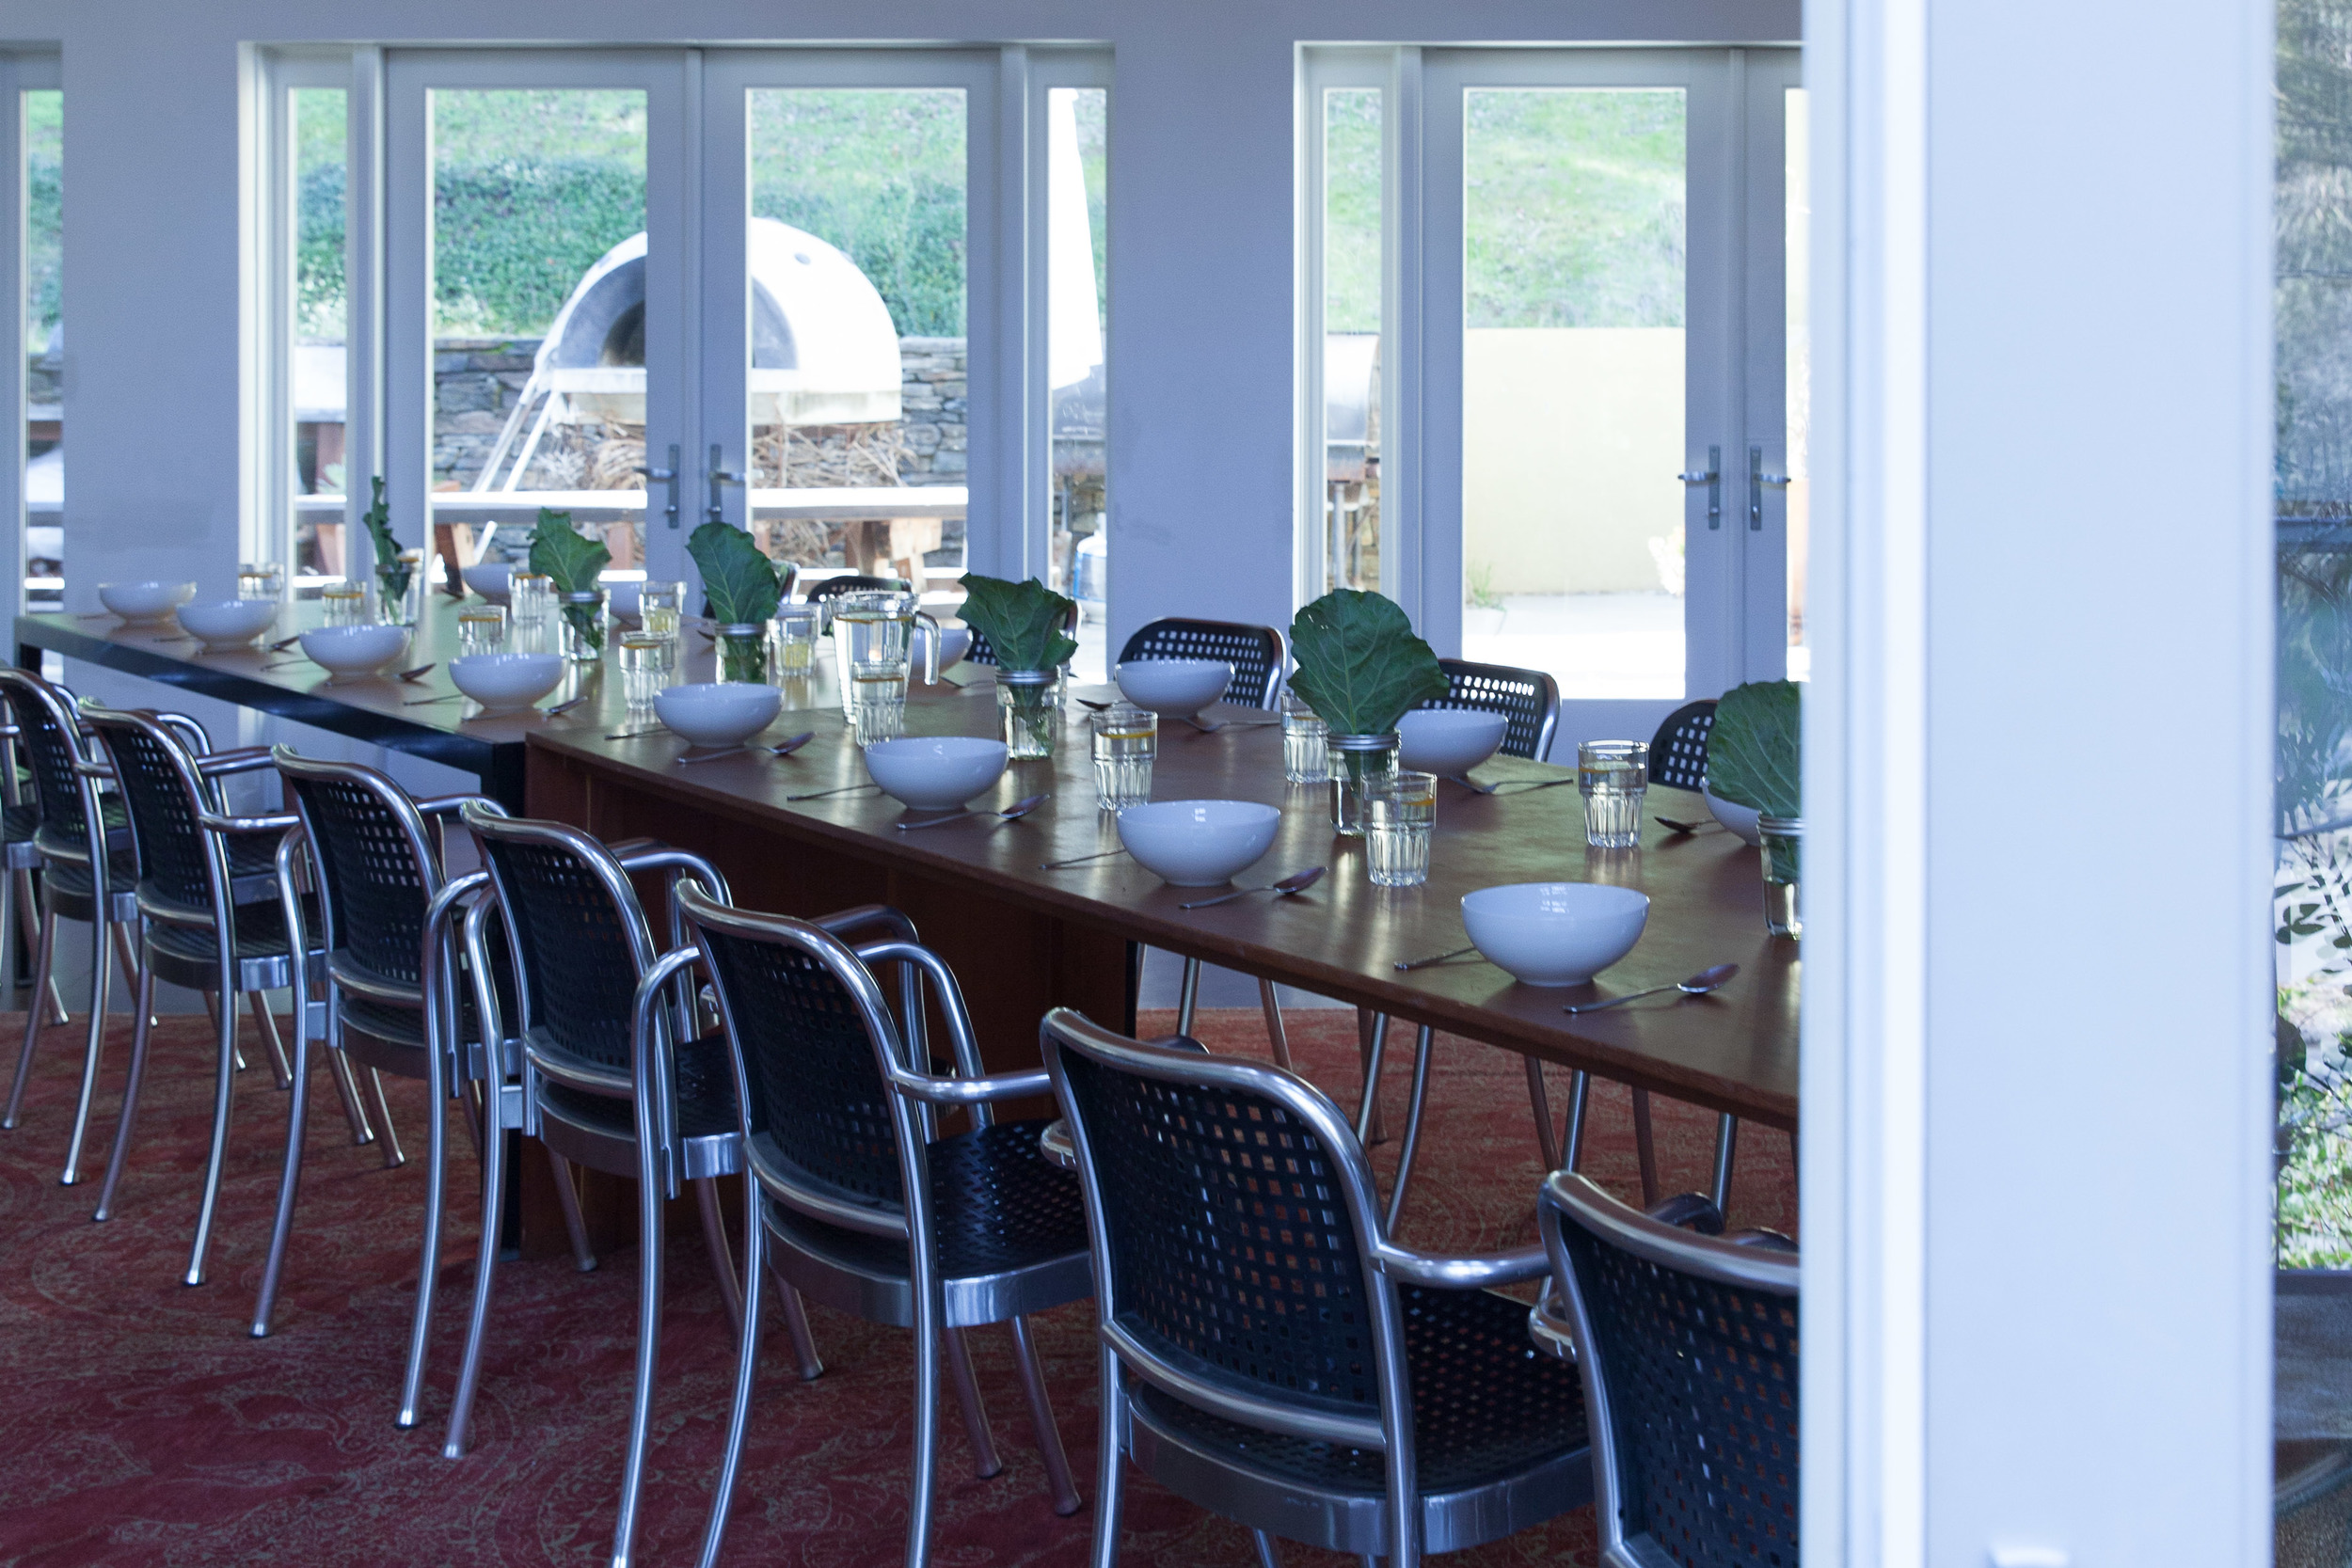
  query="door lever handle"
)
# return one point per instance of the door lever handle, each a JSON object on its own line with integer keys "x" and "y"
{"x": 1713, "y": 480}
{"x": 1757, "y": 479}
{"x": 716, "y": 512}
{"x": 668, "y": 476}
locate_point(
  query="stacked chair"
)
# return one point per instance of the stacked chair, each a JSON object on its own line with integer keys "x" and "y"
{"x": 857, "y": 1196}
{"x": 1267, "y": 1351}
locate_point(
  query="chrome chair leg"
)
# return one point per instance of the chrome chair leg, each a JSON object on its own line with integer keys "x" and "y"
{"x": 1109, "y": 1468}
{"x": 568, "y": 1200}
{"x": 142, "y": 1026}
{"x": 746, "y": 1374}
{"x": 1276, "y": 1037}
{"x": 265, "y": 1024}
{"x": 435, "y": 1199}
{"x": 290, "y": 1181}
{"x": 28, "y": 911}
{"x": 1645, "y": 1148}
{"x": 928, "y": 1309}
{"x": 93, "y": 1044}
{"x": 1424, "y": 1047}
{"x": 1269, "y": 1555}
{"x": 985, "y": 1460}
{"x": 1580, "y": 1101}
{"x": 347, "y": 1090}
{"x": 715, "y": 1239}
{"x": 380, "y": 1111}
{"x": 796, "y": 1321}
{"x": 1727, "y": 1148}
{"x": 1041, "y": 1416}
{"x": 1188, "y": 996}
{"x": 224, "y": 1095}
{"x": 1369, "y": 1112}
{"x": 44, "y": 949}
{"x": 1539, "y": 1102}
{"x": 485, "y": 1268}
{"x": 649, "y": 1253}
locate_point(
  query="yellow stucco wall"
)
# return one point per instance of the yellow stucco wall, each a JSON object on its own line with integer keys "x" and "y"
{"x": 1571, "y": 441}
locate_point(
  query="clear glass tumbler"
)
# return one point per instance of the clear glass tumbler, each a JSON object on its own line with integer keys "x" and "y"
{"x": 1356, "y": 762}
{"x": 647, "y": 659}
{"x": 1305, "y": 757}
{"x": 795, "y": 640}
{"x": 265, "y": 580}
{"x": 1782, "y": 839}
{"x": 659, "y": 605}
{"x": 530, "y": 595}
{"x": 1400, "y": 811}
{"x": 1126, "y": 743}
{"x": 1612, "y": 776}
{"x": 481, "y": 628}
{"x": 344, "y": 602}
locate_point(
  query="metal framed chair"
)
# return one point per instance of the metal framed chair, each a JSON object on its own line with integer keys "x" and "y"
{"x": 1678, "y": 752}
{"x": 614, "y": 1073}
{"x": 1687, "y": 1343}
{"x": 20, "y": 858}
{"x": 855, "y": 1197}
{"x": 1267, "y": 1352}
{"x": 853, "y": 583}
{"x": 62, "y": 830}
{"x": 1528, "y": 700}
{"x": 1257, "y": 654}
{"x": 210, "y": 916}
{"x": 388, "y": 923}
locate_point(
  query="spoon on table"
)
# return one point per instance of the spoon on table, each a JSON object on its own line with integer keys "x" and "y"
{"x": 1438, "y": 957}
{"x": 418, "y": 673}
{"x": 1297, "y": 882}
{"x": 1697, "y": 984}
{"x": 283, "y": 643}
{"x": 567, "y": 706}
{"x": 421, "y": 702}
{"x": 1080, "y": 859}
{"x": 1670, "y": 824}
{"x": 782, "y": 749}
{"x": 1013, "y": 812}
{"x": 820, "y": 794}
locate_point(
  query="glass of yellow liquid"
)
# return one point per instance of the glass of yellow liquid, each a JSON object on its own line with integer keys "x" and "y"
{"x": 796, "y": 641}
{"x": 659, "y": 605}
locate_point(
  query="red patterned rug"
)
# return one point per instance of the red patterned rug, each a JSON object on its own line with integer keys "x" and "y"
{"x": 139, "y": 1423}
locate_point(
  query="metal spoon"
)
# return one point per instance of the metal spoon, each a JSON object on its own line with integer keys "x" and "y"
{"x": 1080, "y": 859}
{"x": 566, "y": 707}
{"x": 420, "y": 702}
{"x": 418, "y": 673}
{"x": 1438, "y": 957}
{"x": 820, "y": 794}
{"x": 1473, "y": 789}
{"x": 1671, "y": 824}
{"x": 1548, "y": 783}
{"x": 1013, "y": 812}
{"x": 1297, "y": 881}
{"x": 709, "y": 756}
{"x": 1697, "y": 984}
{"x": 284, "y": 642}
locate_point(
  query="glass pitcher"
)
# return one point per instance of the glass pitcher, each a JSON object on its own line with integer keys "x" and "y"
{"x": 873, "y": 642}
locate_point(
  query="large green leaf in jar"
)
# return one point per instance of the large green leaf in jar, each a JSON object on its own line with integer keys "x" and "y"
{"x": 1361, "y": 666}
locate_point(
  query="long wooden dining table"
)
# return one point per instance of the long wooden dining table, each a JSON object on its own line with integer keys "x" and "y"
{"x": 1023, "y": 934}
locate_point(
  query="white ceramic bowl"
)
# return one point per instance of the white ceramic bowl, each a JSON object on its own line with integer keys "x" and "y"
{"x": 230, "y": 623}
{"x": 144, "y": 603}
{"x": 502, "y": 683}
{"x": 1447, "y": 741}
{"x": 621, "y": 598}
{"x": 935, "y": 772}
{"x": 1173, "y": 688}
{"x": 489, "y": 580}
{"x": 718, "y": 713}
{"x": 954, "y": 643}
{"x": 1197, "y": 842}
{"x": 1554, "y": 933}
{"x": 1739, "y": 819}
{"x": 349, "y": 652}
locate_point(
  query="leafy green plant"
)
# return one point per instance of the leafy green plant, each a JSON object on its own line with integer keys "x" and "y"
{"x": 390, "y": 571}
{"x": 1755, "y": 751}
{"x": 741, "y": 583}
{"x": 1022, "y": 621}
{"x": 572, "y": 562}
{"x": 1361, "y": 666}
{"x": 1482, "y": 594}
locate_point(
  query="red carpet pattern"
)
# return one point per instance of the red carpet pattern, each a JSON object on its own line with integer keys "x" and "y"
{"x": 140, "y": 1424}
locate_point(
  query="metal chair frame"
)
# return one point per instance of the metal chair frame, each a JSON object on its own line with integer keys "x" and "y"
{"x": 923, "y": 1296}
{"x": 1257, "y": 679}
{"x": 1489, "y": 688}
{"x": 856, "y": 583}
{"x": 1686, "y": 728}
{"x": 654, "y": 1153}
{"x": 1402, "y": 1523}
{"x": 1759, "y": 1261}
{"x": 20, "y": 858}
{"x": 194, "y": 774}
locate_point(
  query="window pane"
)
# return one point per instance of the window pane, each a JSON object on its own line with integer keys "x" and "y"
{"x": 45, "y": 349}
{"x": 1351, "y": 345}
{"x": 857, "y": 357}
{"x": 1573, "y": 396}
{"x": 1077, "y": 169}
{"x": 320, "y": 172}
{"x": 1798, "y": 224}
{"x": 539, "y": 311}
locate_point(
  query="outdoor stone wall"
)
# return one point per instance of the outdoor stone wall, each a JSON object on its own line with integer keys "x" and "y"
{"x": 477, "y": 382}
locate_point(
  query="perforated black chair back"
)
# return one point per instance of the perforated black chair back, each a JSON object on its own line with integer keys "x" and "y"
{"x": 856, "y": 584}
{"x": 52, "y": 745}
{"x": 1688, "y": 1348}
{"x": 1256, "y": 653}
{"x": 1528, "y": 700}
{"x": 378, "y": 865}
{"x": 182, "y": 867}
{"x": 1678, "y": 752}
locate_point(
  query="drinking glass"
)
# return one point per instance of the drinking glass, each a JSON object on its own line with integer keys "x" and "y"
{"x": 346, "y": 602}
{"x": 260, "y": 580}
{"x": 530, "y": 595}
{"x": 481, "y": 628}
{"x": 1399, "y": 813}
{"x": 1126, "y": 742}
{"x": 658, "y": 604}
{"x": 1355, "y": 763}
{"x": 647, "y": 661}
{"x": 1782, "y": 839}
{"x": 1612, "y": 776}
{"x": 796, "y": 641}
{"x": 1305, "y": 759}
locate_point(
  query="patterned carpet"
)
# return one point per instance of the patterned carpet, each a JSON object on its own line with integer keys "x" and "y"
{"x": 139, "y": 1423}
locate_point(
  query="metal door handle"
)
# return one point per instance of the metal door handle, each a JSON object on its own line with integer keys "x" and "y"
{"x": 668, "y": 476}
{"x": 717, "y": 511}
{"x": 1713, "y": 480}
{"x": 1757, "y": 479}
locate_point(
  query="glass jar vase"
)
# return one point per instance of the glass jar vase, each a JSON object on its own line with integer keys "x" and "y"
{"x": 1354, "y": 762}
{"x": 1782, "y": 839}
{"x": 580, "y": 626}
{"x": 1028, "y": 711}
{"x": 399, "y": 589}
{"x": 743, "y": 652}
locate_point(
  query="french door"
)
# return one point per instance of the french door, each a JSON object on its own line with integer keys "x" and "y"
{"x": 1606, "y": 400}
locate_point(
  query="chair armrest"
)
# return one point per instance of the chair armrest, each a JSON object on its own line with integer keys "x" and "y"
{"x": 1548, "y": 1326}
{"x": 95, "y": 769}
{"x": 842, "y": 922}
{"x": 245, "y": 759}
{"x": 1461, "y": 1271}
{"x": 973, "y": 1091}
{"x": 276, "y": 822}
{"x": 446, "y": 805}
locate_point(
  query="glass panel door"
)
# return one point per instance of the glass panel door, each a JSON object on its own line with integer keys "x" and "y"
{"x": 43, "y": 111}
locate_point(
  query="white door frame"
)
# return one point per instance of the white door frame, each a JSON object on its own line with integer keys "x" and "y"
{"x": 18, "y": 75}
